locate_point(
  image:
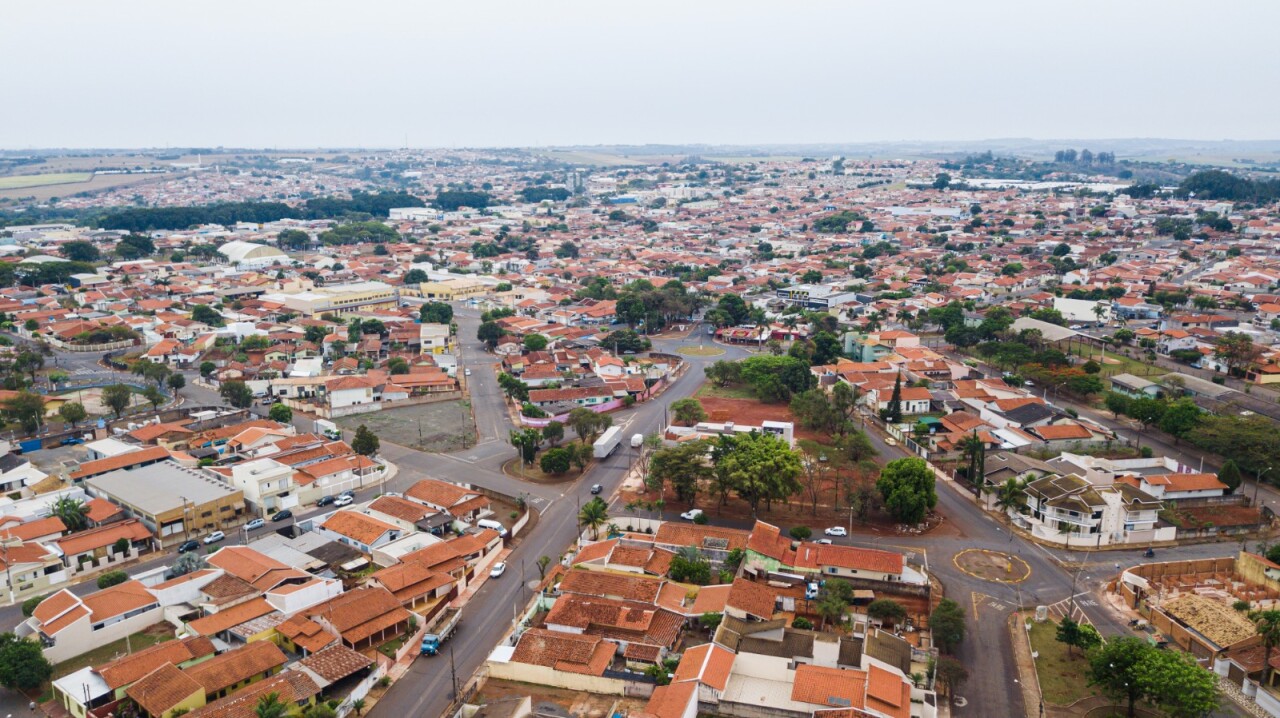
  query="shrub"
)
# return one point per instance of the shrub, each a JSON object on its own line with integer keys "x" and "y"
{"x": 803, "y": 623}
{"x": 111, "y": 578}
{"x": 1241, "y": 606}
{"x": 29, "y": 605}
{"x": 800, "y": 533}
{"x": 701, "y": 519}
{"x": 1147, "y": 452}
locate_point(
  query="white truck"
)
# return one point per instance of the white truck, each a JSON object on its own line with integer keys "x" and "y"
{"x": 637, "y": 440}
{"x": 608, "y": 442}
{"x": 328, "y": 429}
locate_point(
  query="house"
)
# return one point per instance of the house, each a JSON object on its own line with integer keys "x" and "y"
{"x": 165, "y": 691}
{"x": 1171, "y": 487}
{"x": 230, "y": 671}
{"x": 363, "y": 618}
{"x": 295, "y": 688}
{"x": 96, "y": 686}
{"x": 1066, "y": 508}
{"x": 359, "y": 530}
{"x": 461, "y": 503}
{"x": 1134, "y": 386}
{"x": 267, "y": 485}
{"x": 68, "y": 625}
{"x": 17, "y": 473}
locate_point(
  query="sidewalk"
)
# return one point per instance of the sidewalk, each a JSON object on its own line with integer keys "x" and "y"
{"x": 1027, "y": 678}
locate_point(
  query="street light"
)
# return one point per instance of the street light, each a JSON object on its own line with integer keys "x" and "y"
{"x": 1258, "y": 482}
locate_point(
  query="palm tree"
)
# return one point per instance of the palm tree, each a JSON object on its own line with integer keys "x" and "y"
{"x": 971, "y": 446}
{"x": 270, "y": 706}
{"x": 1011, "y": 495}
{"x": 593, "y": 515}
{"x": 1267, "y": 623}
{"x": 73, "y": 512}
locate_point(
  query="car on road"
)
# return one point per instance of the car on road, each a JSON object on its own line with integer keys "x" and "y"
{"x": 255, "y": 524}
{"x": 324, "y": 501}
{"x": 282, "y": 515}
{"x": 890, "y": 441}
{"x": 466, "y": 372}
{"x": 186, "y": 546}
{"x": 824, "y": 541}
{"x": 691, "y": 514}
{"x": 214, "y": 537}
{"x": 596, "y": 488}
{"x": 349, "y": 493}
{"x": 343, "y": 500}
{"x": 836, "y": 531}
{"x": 497, "y": 570}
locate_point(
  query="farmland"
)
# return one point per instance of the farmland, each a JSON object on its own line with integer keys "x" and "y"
{"x": 23, "y": 181}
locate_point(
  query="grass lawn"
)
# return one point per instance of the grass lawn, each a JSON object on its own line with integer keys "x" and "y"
{"x": 389, "y": 648}
{"x": 108, "y": 652}
{"x": 1062, "y": 677}
{"x": 1121, "y": 365}
{"x": 700, "y": 351}
{"x": 710, "y": 389}
{"x": 21, "y": 181}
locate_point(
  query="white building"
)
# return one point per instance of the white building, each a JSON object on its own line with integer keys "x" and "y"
{"x": 248, "y": 254}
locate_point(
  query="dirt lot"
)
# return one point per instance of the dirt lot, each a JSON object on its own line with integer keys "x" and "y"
{"x": 1220, "y": 516}
{"x": 576, "y": 703}
{"x": 443, "y": 426}
{"x": 750, "y": 411}
{"x": 1214, "y": 618}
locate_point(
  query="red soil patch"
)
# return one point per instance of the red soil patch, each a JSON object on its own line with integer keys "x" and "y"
{"x": 752, "y": 412}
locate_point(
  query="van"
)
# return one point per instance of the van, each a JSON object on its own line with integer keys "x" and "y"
{"x": 491, "y": 524}
{"x": 637, "y": 440}
{"x": 811, "y": 590}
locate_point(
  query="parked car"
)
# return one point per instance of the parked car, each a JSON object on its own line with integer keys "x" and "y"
{"x": 186, "y": 546}
{"x": 596, "y": 488}
{"x": 691, "y": 514}
{"x": 890, "y": 441}
{"x": 343, "y": 500}
{"x": 214, "y": 537}
{"x": 466, "y": 372}
{"x": 255, "y": 524}
{"x": 826, "y": 542}
{"x": 70, "y": 440}
{"x": 325, "y": 501}
{"x": 497, "y": 570}
{"x": 282, "y": 515}
{"x": 348, "y": 493}
{"x": 836, "y": 531}
{"x": 811, "y": 590}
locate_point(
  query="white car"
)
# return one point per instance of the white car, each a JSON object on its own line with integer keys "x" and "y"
{"x": 691, "y": 514}
{"x": 825, "y": 542}
{"x": 497, "y": 570}
{"x": 214, "y": 537}
{"x": 343, "y": 500}
{"x": 467, "y": 372}
{"x": 836, "y": 531}
{"x": 890, "y": 441}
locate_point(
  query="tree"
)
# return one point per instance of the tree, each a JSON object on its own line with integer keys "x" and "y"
{"x": 1011, "y": 496}
{"x": 489, "y": 333}
{"x": 153, "y": 396}
{"x": 293, "y": 239}
{"x": 556, "y": 460}
{"x": 1180, "y": 417}
{"x": 815, "y": 410}
{"x": 582, "y": 455}
{"x": 950, "y": 674}
{"x": 946, "y": 624}
{"x": 1267, "y": 624}
{"x": 542, "y": 563}
{"x": 176, "y": 382}
{"x": 587, "y": 424}
{"x": 319, "y": 710}
{"x": 1229, "y": 474}
{"x": 1117, "y": 404}
{"x": 1112, "y": 668}
{"x": 553, "y": 433}
{"x": 270, "y": 706}
{"x": 80, "y": 251}
{"x": 207, "y": 368}
{"x": 724, "y": 373}
{"x": 1076, "y": 635}
{"x": 526, "y": 442}
{"x": 117, "y": 397}
{"x": 893, "y": 413}
{"x": 73, "y": 513}
{"x": 111, "y": 578}
{"x": 1237, "y": 351}
{"x": 1251, "y": 441}
{"x": 593, "y": 515}
{"x": 187, "y": 563}
{"x": 688, "y": 566}
{"x": 907, "y": 488}
{"x": 27, "y": 409}
{"x": 436, "y": 313}
{"x": 535, "y": 342}
{"x": 777, "y": 378}
{"x": 711, "y": 621}
{"x": 281, "y": 413}
{"x": 683, "y": 466}
{"x": 366, "y": 442}
{"x": 22, "y": 663}
{"x": 887, "y": 610}
{"x": 688, "y": 411}
{"x": 942, "y": 180}
{"x": 236, "y": 393}
{"x": 121, "y": 546}
{"x": 800, "y": 533}
{"x": 206, "y": 314}
{"x": 29, "y": 605}
{"x": 625, "y": 341}
{"x": 1178, "y": 684}
{"x": 758, "y": 467}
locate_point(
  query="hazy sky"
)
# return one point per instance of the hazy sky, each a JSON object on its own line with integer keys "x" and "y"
{"x": 286, "y": 73}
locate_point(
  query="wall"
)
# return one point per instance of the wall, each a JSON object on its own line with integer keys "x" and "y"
{"x": 542, "y": 675}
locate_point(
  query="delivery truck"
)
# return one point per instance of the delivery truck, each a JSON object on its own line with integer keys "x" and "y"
{"x": 608, "y": 442}
{"x": 444, "y": 630}
{"x": 328, "y": 429}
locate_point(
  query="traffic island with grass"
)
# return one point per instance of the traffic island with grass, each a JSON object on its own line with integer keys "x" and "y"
{"x": 1063, "y": 675}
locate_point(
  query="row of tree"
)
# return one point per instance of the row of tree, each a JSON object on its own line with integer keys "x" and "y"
{"x": 143, "y": 219}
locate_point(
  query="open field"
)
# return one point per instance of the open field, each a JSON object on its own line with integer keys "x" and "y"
{"x": 442, "y": 426}
{"x": 21, "y": 181}
{"x": 91, "y": 184}
{"x": 709, "y": 390}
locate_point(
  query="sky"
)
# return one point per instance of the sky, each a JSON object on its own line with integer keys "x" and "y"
{"x": 481, "y": 73}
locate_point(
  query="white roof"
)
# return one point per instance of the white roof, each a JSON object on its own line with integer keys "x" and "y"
{"x": 237, "y": 251}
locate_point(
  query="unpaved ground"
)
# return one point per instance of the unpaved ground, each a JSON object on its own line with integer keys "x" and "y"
{"x": 577, "y": 703}
{"x": 443, "y": 426}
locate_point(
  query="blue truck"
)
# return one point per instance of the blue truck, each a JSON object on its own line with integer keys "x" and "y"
{"x": 444, "y": 630}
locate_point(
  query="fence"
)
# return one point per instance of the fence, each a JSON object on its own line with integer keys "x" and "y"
{"x": 362, "y": 688}
{"x": 104, "y": 347}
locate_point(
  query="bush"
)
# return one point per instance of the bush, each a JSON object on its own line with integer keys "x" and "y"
{"x": 803, "y": 623}
{"x": 1241, "y": 606}
{"x": 29, "y": 605}
{"x": 701, "y": 519}
{"x": 800, "y": 533}
{"x": 1219, "y": 380}
{"x": 1147, "y": 452}
{"x": 112, "y": 578}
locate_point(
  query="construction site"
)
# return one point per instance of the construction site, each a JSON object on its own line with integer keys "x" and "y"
{"x": 1200, "y": 606}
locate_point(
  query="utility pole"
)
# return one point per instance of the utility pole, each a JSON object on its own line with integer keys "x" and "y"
{"x": 453, "y": 673}
{"x": 1257, "y": 482}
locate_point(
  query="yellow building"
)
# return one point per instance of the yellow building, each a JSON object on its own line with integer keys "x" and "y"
{"x": 341, "y": 299}
{"x": 450, "y": 290}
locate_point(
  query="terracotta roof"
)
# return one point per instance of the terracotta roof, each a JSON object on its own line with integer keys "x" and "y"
{"x": 611, "y": 585}
{"x": 216, "y": 623}
{"x": 672, "y": 701}
{"x": 863, "y": 559}
{"x": 306, "y": 633}
{"x": 234, "y": 666}
{"x": 831, "y": 687}
{"x": 261, "y": 571}
{"x": 888, "y": 693}
{"x": 708, "y": 663}
{"x": 162, "y": 689}
{"x": 402, "y": 509}
{"x": 567, "y": 652}
{"x": 111, "y": 463}
{"x": 103, "y": 536}
{"x": 290, "y": 686}
{"x": 117, "y": 600}
{"x": 360, "y": 613}
{"x": 358, "y": 526}
{"x": 439, "y": 493}
{"x": 754, "y": 598}
{"x": 126, "y": 670}
{"x": 1185, "y": 482}
{"x": 408, "y": 581}
{"x": 51, "y": 525}
{"x": 1060, "y": 432}
{"x": 336, "y": 662}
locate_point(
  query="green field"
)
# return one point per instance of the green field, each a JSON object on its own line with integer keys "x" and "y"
{"x": 22, "y": 181}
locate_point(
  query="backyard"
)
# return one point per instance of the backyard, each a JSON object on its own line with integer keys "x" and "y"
{"x": 443, "y": 426}
{"x": 108, "y": 652}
